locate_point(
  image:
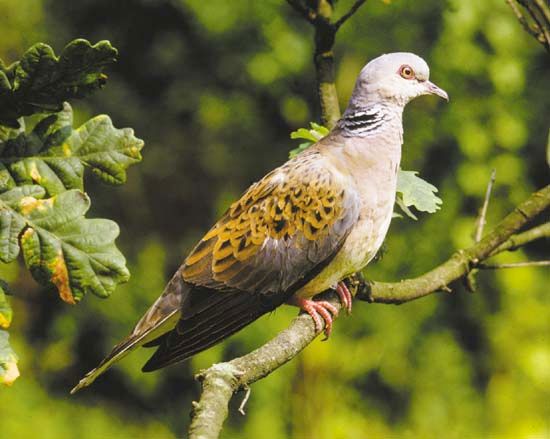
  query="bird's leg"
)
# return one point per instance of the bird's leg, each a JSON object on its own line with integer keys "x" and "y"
{"x": 317, "y": 310}
{"x": 344, "y": 295}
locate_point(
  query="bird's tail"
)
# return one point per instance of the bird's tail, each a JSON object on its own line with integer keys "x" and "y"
{"x": 159, "y": 319}
{"x": 218, "y": 316}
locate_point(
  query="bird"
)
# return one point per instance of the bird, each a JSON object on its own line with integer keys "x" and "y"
{"x": 300, "y": 230}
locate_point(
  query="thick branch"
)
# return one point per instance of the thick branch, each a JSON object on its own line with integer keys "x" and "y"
{"x": 220, "y": 381}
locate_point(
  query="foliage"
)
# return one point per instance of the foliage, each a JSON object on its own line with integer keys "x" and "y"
{"x": 5, "y": 309}
{"x": 8, "y": 360}
{"x": 41, "y": 81}
{"x": 411, "y": 189}
{"x": 311, "y": 135}
{"x": 42, "y": 163}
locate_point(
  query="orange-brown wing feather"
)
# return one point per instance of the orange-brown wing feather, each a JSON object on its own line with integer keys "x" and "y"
{"x": 281, "y": 228}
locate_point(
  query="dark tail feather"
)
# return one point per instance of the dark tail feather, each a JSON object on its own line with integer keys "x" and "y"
{"x": 209, "y": 326}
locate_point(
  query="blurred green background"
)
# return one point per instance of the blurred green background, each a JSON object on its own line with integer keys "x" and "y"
{"x": 214, "y": 88}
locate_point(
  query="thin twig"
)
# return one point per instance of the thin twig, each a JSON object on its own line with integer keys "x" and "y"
{"x": 348, "y": 14}
{"x": 481, "y": 221}
{"x": 544, "y": 7}
{"x": 513, "y": 265}
{"x": 519, "y": 240}
{"x": 522, "y": 20}
{"x": 248, "y": 391}
{"x": 540, "y": 16}
{"x": 542, "y": 23}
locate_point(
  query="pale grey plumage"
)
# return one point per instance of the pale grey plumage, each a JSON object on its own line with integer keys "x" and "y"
{"x": 299, "y": 231}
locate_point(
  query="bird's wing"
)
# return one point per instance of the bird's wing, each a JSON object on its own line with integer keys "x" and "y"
{"x": 277, "y": 232}
{"x": 283, "y": 231}
{"x": 279, "y": 235}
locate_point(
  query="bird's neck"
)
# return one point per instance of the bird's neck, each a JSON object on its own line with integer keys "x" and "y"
{"x": 370, "y": 119}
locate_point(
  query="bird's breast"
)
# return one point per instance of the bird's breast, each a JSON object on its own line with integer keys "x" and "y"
{"x": 363, "y": 242}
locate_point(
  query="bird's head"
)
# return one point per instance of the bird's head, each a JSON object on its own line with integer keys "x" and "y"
{"x": 395, "y": 78}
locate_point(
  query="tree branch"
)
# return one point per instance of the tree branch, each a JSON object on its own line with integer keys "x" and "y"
{"x": 538, "y": 23}
{"x": 355, "y": 7}
{"x": 222, "y": 380}
{"x": 519, "y": 240}
{"x": 514, "y": 265}
{"x": 483, "y": 212}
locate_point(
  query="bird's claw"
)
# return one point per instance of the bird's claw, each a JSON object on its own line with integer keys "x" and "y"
{"x": 324, "y": 310}
{"x": 344, "y": 295}
{"x": 317, "y": 310}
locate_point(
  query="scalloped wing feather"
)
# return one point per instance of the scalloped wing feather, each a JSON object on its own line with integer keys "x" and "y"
{"x": 278, "y": 231}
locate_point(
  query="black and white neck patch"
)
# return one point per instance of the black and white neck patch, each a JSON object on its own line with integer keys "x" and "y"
{"x": 364, "y": 121}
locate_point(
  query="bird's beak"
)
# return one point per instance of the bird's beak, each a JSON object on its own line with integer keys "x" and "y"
{"x": 433, "y": 89}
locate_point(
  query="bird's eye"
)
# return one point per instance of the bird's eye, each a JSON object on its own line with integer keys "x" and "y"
{"x": 406, "y": 72}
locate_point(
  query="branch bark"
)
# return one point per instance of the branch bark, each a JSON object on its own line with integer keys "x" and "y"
{"x": 222, "y": 380}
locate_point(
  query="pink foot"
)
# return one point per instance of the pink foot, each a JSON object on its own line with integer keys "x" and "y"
{"x": 317, "y": 310}
{"x": 344, "y": 295}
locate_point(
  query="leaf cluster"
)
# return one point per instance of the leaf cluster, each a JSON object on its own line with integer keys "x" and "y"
{"x": 43, "y": 159}
{"x": 41, "y": 81}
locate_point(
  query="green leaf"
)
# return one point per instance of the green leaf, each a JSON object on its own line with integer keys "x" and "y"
{"x": 400, "y": 203}
{"x": 5, "y": 309}
{"x": 62, "y": 247}
{"x": 7, "y": 133}
{"x": 303, "y": 133}
{"x": 416, "y": 192}
{"x": 8, "y": 361}
{"x": 41, "y": 81}
{"x": 54, "y": 155}
{"x": 302, "y": 147}
{"x": 312, "y": 135}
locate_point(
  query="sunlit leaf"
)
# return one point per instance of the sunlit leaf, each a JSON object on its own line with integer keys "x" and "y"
{"x": 302, "y": 147}
{"x": 416, "y": 192}
{"x": 54, "y": 155}
{"x": 5, "y": 309}
{"x": 62, "y": 247}
{"x": 41, "y": 81}
{"x": 399, "y": 202}
{"x": 312, "y": 135}
{"x": 8, "y": 361}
